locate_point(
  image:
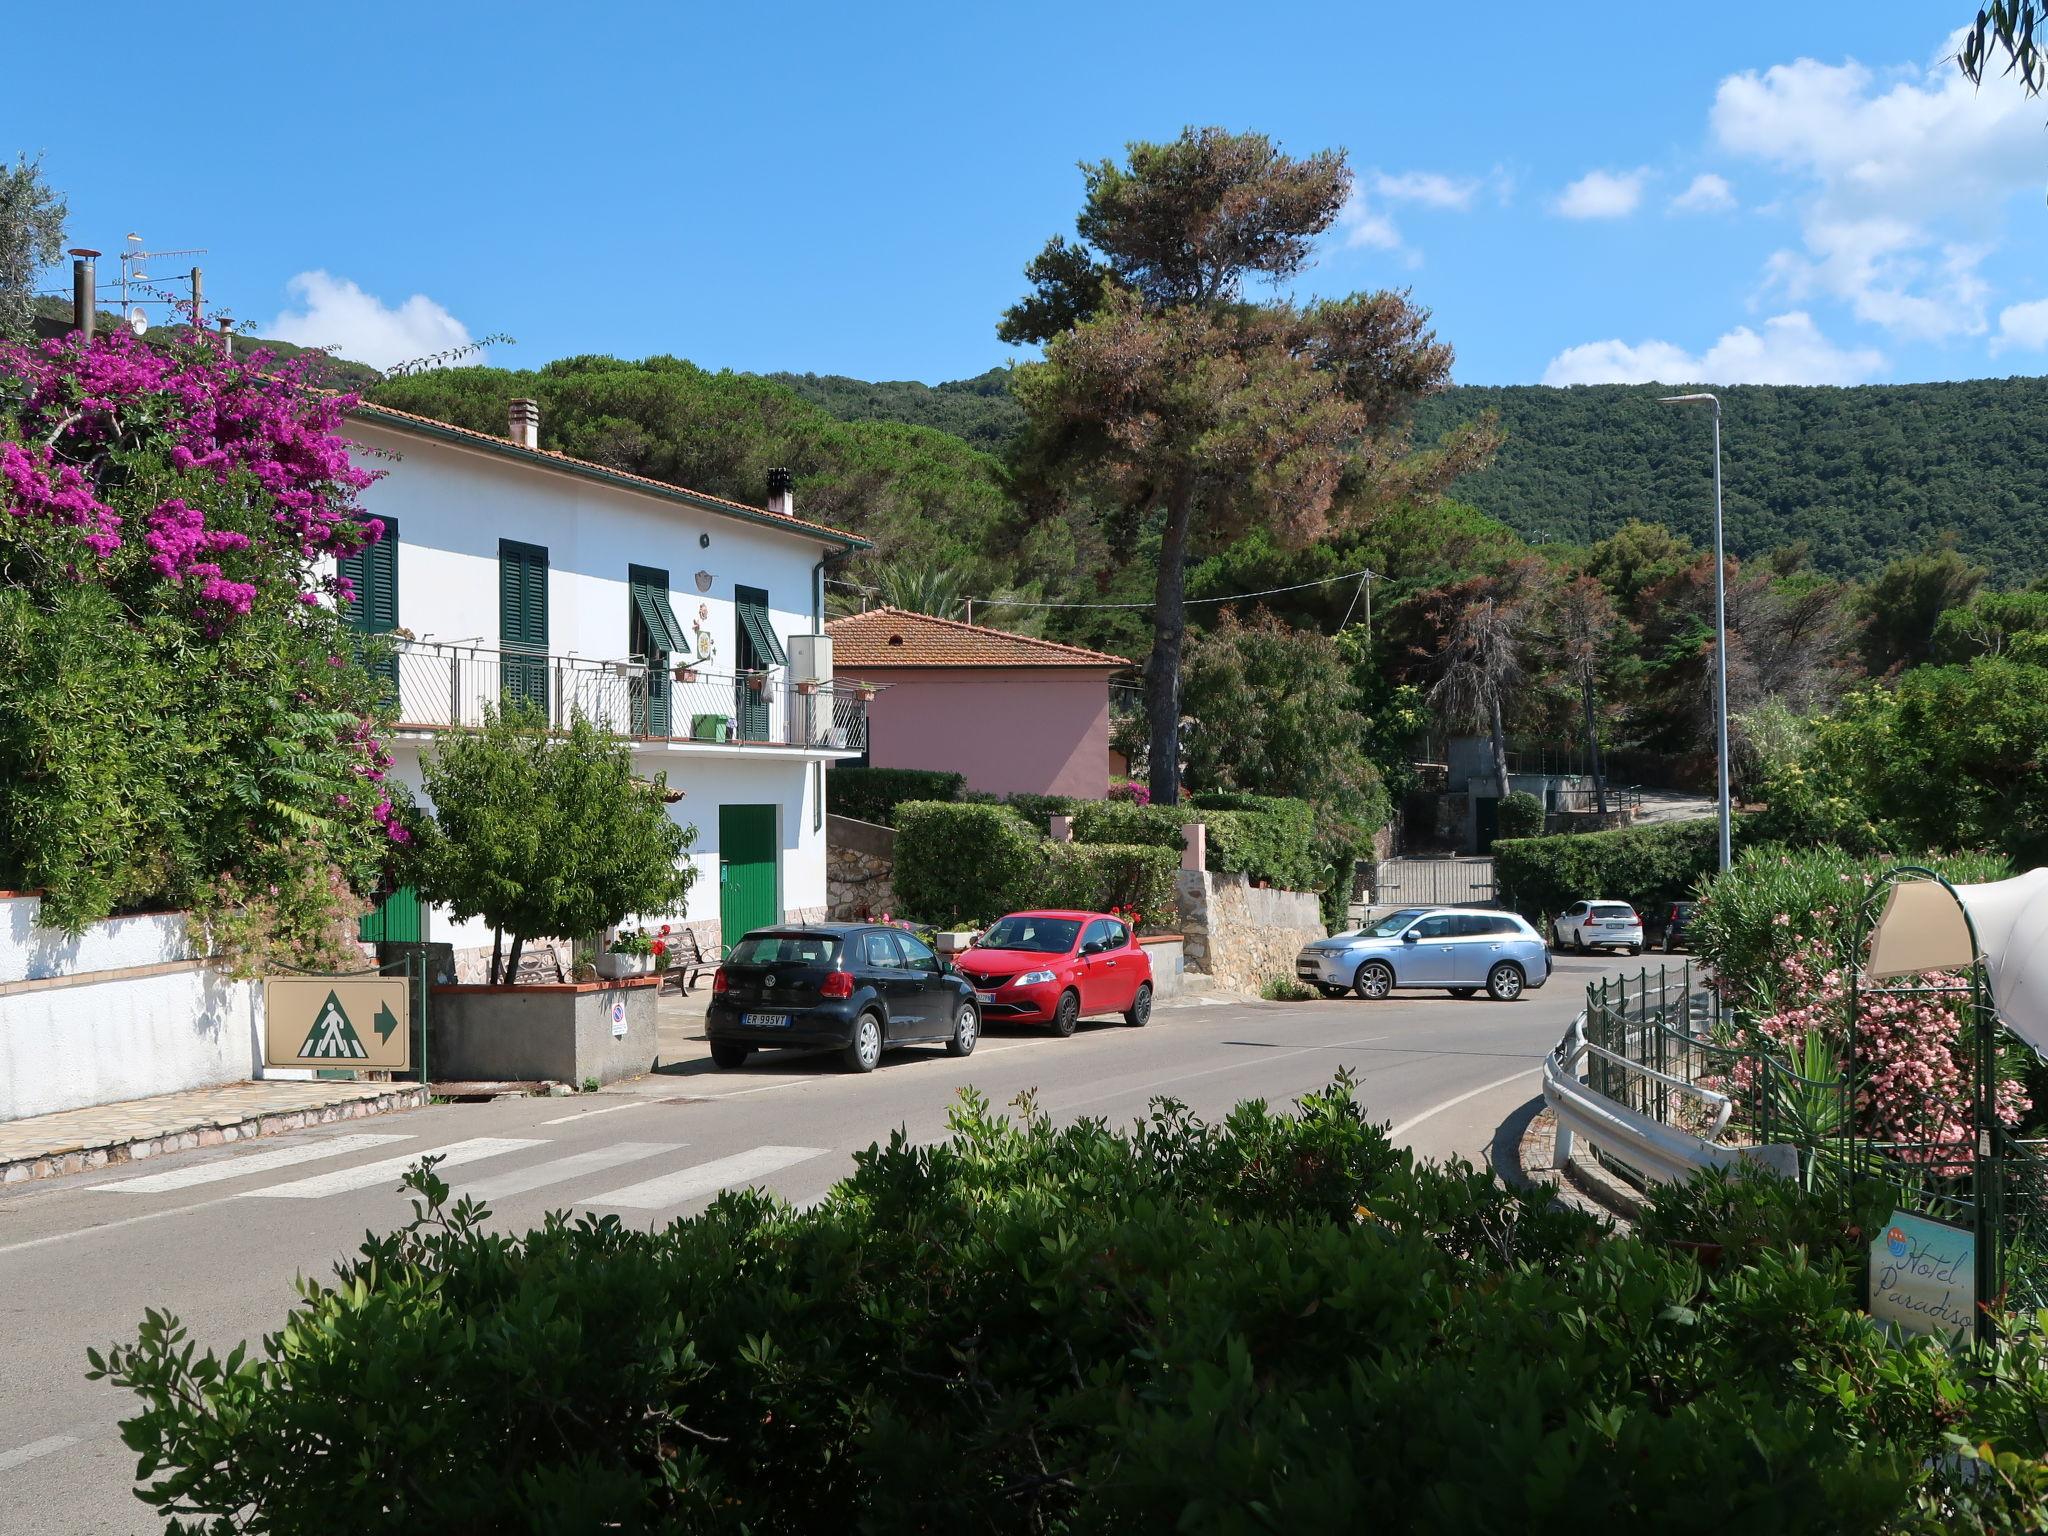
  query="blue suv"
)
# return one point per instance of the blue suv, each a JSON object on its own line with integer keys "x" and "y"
{"x": 1457, "y": 949}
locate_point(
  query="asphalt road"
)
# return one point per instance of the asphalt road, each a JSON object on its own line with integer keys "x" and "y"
{"x": 218, "y": 1237}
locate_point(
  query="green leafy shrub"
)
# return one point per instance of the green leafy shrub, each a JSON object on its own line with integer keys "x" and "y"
{"x": 1276, "y": 1323}
{"x": 1284, "y": 989}
{"x": 1646, "y": 866}
{"x": 1521, "y": 815}
{"x": 1124, "y": 823}
{"x": 1747, "y": 1211}
{"x": 1100, "y": 877}
{"x": 1774, "y": 902}
{"x": 1039, "y": 810}
{"x": 964, "y": 864}
{"x": 1259, "y": 837}
{"x": 872, "y": 794}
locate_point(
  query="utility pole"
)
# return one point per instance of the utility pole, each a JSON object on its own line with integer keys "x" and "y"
{"x": 1720, "y": 625}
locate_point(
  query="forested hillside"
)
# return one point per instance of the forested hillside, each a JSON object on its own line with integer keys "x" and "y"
{"x": 1861, "y": 475}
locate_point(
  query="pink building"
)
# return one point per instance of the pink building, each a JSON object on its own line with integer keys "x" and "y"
{"x": 1014, "y": 714}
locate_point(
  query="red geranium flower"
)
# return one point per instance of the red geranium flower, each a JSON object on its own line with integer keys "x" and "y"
{"x": 659, "y": 947}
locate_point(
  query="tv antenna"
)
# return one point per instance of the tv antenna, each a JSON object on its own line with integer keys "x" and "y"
{"x": 134, "y": 261}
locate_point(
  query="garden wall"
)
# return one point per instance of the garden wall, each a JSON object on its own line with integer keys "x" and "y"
{"x": 125, "y": 1009}
{"x": 1241, "y": 934}
{"x": 860, "y": 868}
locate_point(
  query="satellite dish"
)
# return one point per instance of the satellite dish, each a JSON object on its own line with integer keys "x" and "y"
{"x": 138, "y": 322}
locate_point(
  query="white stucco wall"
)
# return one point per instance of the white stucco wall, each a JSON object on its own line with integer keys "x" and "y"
{"x": 29, "y": 952}
{"x": 453, "y": 504}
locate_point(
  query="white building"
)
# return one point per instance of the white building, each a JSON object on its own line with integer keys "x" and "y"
{"x": 680, "y": 620}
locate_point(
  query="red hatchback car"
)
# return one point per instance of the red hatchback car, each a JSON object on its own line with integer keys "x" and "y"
{"x": 1057, "y": 967}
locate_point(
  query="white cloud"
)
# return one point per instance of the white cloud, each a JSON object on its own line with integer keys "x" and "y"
{"x": 1707, "y": 194}
{"x": 1903, "y": 171}
{"x": 1432, "y": 189}
{"x": 1789, "y": 349}
{"x": 2022, "y": 325}
{"x": 333, "y": 312}
{"x": 1603, "y": 195}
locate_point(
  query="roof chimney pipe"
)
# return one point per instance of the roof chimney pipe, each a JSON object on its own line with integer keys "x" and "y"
{"x": 781, "y": 497}
{"x": 524, "y": 420}
{"x": 84, "y": 291}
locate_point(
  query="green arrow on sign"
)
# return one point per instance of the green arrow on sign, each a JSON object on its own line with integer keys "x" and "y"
{"x": 384, "y": 1023}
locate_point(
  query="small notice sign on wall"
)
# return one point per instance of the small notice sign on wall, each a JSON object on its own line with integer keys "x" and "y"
{"x": 1923, "y": 1275}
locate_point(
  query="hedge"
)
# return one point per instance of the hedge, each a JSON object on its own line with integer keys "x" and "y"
{"x": 1521, "y": 815}
{"x": 1096, "y": 877}
{"x": 872, "y": 794}
{"x": 1261, "y": 837}
{"x": 963, "y": 864}
{"x": 1644, "y": 866}
{"x": 1282, "y": 1323}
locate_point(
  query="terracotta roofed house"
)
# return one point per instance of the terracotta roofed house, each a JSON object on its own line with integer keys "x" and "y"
{"x": 1016, "y": 715}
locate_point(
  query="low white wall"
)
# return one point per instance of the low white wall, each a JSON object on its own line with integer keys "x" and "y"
{"x": 29, "y": 951}
{"x": 92, "y": 1035}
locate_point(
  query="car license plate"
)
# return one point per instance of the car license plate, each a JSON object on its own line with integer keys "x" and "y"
{"x": 986, "y": 997}
{"x": 765, "y": 1020}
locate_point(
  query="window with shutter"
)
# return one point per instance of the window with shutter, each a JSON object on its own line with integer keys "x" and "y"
{"x": 373, "y": 571}
{"x": 523, "y": 622}
{"x": 651, "y": 631}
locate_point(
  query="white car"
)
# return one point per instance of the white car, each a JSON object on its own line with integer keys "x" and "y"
{"x": 1589, "y": 925}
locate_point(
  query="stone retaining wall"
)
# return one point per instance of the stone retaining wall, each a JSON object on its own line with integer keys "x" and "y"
{"x": 1243, "y": 935}
{"x": 860, "y": 866}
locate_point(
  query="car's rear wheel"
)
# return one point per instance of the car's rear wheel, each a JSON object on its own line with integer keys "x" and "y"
{"x": 966, "y": 1030}
{"x": 1141, "y": 1007}
{"x": 864, "y": 1053}
{"x": 729, "y": 1055}
{"x": 1668, "y": 945}
{"x": 1634, "y": 949}
{"x": 1329, "y": 991}
{"x": 1462, "y": 991}
{"x": 1579, "y": 942}
{"x": 1375, "y": 979}
{"x": 1067, "y": 1014}
{"x": 1504, "y": 982}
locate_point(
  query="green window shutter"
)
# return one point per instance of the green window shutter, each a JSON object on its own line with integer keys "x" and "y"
{"x": 522, "y": 595}
{"x": 374, "y": 571}
{"x": 753, "y": 616}
{"x": 650, "y": 600}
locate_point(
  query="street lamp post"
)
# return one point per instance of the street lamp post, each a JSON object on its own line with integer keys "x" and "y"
{"x": 1720, "y": 620}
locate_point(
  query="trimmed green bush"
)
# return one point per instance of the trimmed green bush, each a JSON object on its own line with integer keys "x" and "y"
{"x": 1645, "y": 866}
{"x": 872, "y": 794}
{"x": 1280, "y": 1323}
{"x": 1096, "y": 877}
{"x": 1125, "y": 824}
{"x": 1521, "y": 815}
{"x": 1259, "y": 837}
{"x": 964, "y": 864}
{"x": 1039, "y": 810}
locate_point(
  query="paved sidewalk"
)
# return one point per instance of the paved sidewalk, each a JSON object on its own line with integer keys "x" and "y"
{"x": 43, "y": 1146}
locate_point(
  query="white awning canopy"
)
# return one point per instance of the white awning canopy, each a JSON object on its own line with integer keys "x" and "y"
{"x": 1924, "y": 929}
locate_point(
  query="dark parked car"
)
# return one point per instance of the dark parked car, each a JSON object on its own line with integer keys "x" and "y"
{"x": 1677, "y": 918}
{"x": 859, "y": 987}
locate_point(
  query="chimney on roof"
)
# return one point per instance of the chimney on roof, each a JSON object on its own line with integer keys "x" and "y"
{"x": 781, "y": 498}
{"x": 84, "y": 291}
{"x": 524, "y": 421}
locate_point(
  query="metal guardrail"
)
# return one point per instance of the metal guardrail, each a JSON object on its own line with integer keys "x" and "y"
{"x": 454, "y": 687}
{"x": 1574, "y": 800}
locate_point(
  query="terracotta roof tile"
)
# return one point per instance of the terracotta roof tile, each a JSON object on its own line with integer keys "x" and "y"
{"x": 893, "y": 637}
{"x": 408, "y": 421}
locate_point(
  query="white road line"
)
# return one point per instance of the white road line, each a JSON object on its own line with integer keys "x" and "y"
{"x": 1436, "y": 1109}
{"x": 21, "y": 1453}
{"x": 705, "y": 1178}
{"x": 236, "y": 1167}
{"x": 342, "y": 1180}
{"x": 520, "y": 1180}
{"x": 609, "y": 1109}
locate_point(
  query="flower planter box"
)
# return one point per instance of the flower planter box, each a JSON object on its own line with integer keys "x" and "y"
{"x": 616, "y": 967}
{"x": 562, "y": 1033}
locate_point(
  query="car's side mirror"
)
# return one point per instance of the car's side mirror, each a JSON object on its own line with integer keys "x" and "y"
{"x": 1411, "y": 937}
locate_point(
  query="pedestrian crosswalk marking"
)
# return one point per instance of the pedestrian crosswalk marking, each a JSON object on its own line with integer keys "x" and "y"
{"x": 238, "y": 1167}
{"x": 390, "y": 1169}
{"x": 332, "y": 1035}
{"x": 705, "y": 1178}
{"x": 561, "y": 1169}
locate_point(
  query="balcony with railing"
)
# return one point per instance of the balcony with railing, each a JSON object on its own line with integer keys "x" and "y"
{"x": 452, "y": 687}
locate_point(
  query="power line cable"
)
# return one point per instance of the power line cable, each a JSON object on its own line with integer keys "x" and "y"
{"x": 1361, "y": 577}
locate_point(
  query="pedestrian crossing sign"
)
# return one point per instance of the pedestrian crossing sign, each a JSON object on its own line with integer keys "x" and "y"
{"x": 338, "y": 1021}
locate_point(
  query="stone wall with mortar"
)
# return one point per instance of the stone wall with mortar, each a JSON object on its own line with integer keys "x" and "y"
{"x": 1241, "y": 934}
{"x": 860, "y": 866}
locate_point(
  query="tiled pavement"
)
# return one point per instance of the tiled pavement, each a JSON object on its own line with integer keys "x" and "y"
{"x": 44, "y": 1145}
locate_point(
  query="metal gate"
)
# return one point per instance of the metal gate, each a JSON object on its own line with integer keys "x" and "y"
{"x": 1434, "y": 883}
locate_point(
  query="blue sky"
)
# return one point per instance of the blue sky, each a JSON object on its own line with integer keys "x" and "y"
{"x": 1750, "y": 192}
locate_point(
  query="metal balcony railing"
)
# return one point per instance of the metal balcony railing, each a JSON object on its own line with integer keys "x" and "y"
{"x": 453, "y": 687}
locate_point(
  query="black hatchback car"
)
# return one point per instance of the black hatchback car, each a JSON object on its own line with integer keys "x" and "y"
{"x": 859, "y": 987}
{"x": 1677, "y": 919}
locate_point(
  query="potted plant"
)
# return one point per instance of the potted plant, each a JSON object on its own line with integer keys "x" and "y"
{"x": 865, "y": 692}
{"x": 686, "y": 673}
{"x": 758, "y": 681}
{"x": 807, "y": 686}
{"x": 631, "y": 954}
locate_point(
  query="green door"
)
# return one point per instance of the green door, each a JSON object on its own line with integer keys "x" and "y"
{"x": 373, "y": 570}
{"x": 523, "y": 623}
{"x": 746, "y": 870}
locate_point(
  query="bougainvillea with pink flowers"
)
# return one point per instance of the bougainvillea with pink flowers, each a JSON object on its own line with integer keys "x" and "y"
{"x": 182, "y": 711}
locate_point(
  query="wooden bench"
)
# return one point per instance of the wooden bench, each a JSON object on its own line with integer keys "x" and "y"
{"x": 686, "y": 959}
